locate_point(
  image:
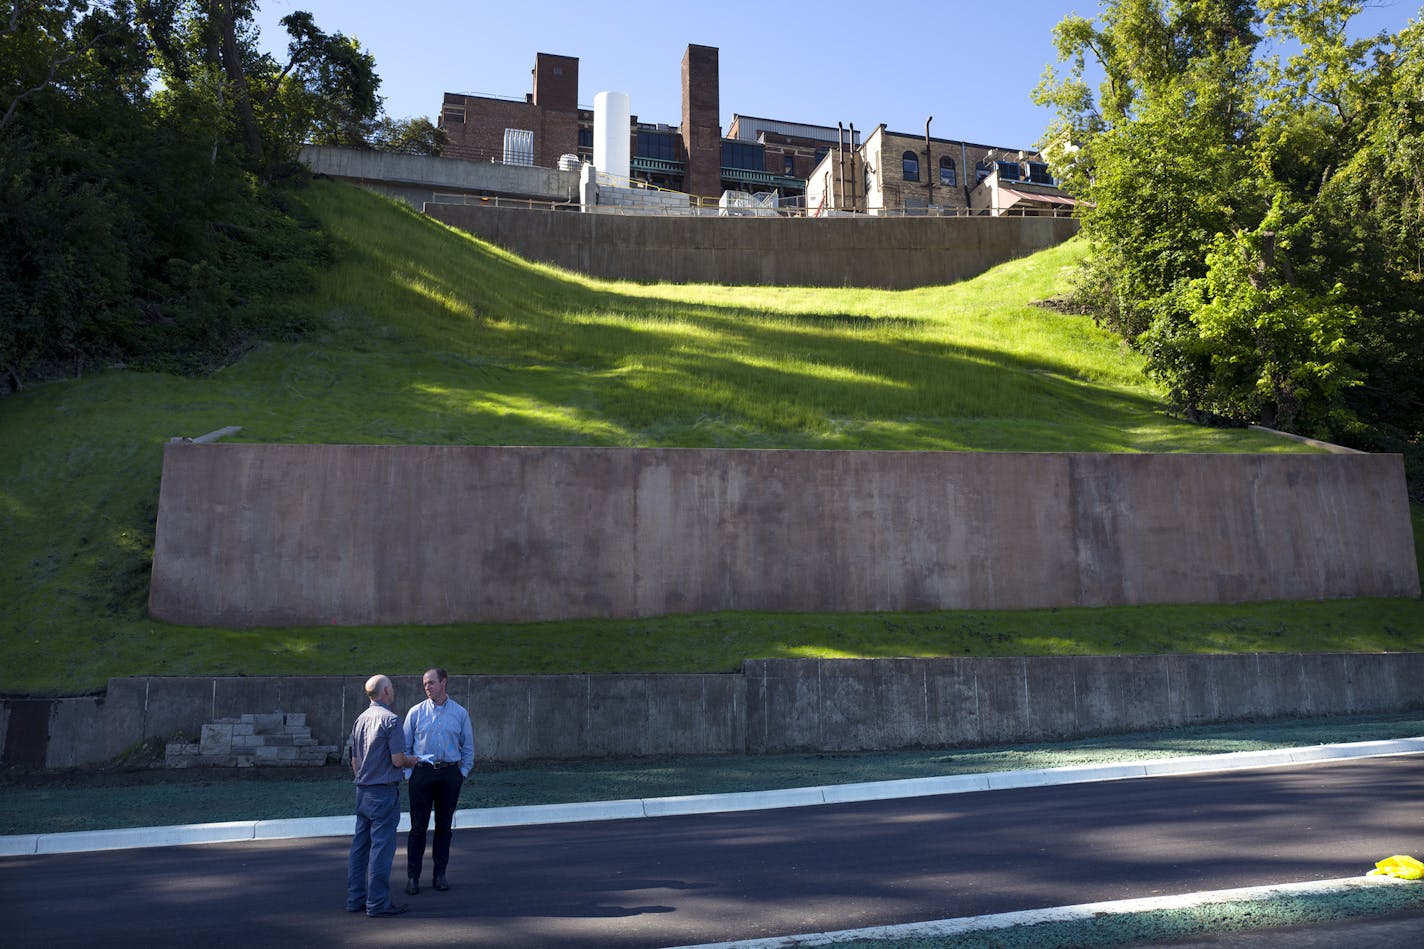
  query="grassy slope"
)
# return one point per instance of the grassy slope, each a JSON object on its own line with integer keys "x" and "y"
{"x": 429, "y": 337}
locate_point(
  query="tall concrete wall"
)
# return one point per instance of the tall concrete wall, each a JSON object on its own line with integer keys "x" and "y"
{"x": 252, "y": 535}
{"x": 771, "y": 706}
{"x": 416, "y": 179}
{"x": 891, "y": 253}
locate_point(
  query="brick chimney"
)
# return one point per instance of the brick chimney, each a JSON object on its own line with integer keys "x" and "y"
{"x": 556, "y": 82}
{"x": 701, "y": 133}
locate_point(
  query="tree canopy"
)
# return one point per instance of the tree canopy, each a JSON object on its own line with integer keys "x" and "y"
{"x": 1253, "y": 193}
{"x": 139, "y": 144}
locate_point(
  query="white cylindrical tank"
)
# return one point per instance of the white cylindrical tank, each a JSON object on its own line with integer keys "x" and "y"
{"x": 611, "y": 129}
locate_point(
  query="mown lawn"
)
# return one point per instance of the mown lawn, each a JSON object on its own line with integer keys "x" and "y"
{"x": 422, "y": 335}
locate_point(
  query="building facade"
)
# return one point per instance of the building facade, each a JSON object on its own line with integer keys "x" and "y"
{"x": 478, "y": 125}
{"x": 825, "y": 169}
{"x": 906, "y": 173}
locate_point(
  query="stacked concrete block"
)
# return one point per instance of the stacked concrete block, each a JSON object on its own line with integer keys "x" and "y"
{"x": 274, "y": 740}
{"x": 611, "y": 197}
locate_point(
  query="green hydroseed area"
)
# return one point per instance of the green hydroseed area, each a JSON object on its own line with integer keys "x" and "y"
{"x": 1165, "y": 926}
{"x": 421, "y": 335}
{"x": 91, "y": 799}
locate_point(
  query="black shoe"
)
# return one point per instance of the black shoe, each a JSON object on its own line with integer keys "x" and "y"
{"x": 390, "y": 909}
{"x": 412, "y": 886}
{"x": 440, "y": 883}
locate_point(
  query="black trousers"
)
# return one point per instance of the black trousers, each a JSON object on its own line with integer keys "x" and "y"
{"x": 440, "y": 788}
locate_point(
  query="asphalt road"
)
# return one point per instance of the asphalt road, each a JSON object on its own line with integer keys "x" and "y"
{"x": 675, "y": 881}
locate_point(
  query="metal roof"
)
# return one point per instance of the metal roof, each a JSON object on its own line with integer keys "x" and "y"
{"x": 750, "y": 128}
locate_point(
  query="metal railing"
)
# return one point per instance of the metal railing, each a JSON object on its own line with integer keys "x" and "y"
{"x": 501, "y": 201}
{"x": 708, "y": 207}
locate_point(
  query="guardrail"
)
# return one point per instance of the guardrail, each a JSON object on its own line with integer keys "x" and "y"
{"x": 708, "y": 207}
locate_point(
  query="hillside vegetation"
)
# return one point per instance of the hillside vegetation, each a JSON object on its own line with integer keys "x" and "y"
{"x": 422, "y": 335}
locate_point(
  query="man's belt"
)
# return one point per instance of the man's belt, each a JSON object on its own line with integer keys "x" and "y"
{"x": 437, "y": 765}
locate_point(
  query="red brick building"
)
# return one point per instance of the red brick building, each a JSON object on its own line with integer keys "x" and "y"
{"x": 757, "y": 154}
{"x": 477, "y": 124}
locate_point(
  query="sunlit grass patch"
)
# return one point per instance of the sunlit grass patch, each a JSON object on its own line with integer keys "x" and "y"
{"x": 422, "y": 335}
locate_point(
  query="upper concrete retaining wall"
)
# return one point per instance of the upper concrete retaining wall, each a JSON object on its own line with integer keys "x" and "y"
{"x": 891, "y": 253}
{"x": 357, "y": 535}
{"x": 418, "y": 178}
{"x": 772, "y": 706}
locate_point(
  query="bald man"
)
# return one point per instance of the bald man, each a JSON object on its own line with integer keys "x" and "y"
{"x": 377, "y": 759}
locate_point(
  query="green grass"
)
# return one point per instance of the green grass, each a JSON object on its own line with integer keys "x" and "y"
{"x": 427, "y": 336}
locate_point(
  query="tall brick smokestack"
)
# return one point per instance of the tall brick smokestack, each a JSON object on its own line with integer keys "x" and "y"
{"x": 701, "y": 133}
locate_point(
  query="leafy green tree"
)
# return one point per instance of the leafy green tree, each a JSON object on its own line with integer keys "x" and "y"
{"x": 418, "y": 136}
{"x": 1255, "y": 220}
{"x": 325, "y": 92}
{"x": 131, "y": 230}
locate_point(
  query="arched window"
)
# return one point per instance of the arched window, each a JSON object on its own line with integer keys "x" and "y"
{"x": 910, "y": 162}
{"x": 948, "y": 176}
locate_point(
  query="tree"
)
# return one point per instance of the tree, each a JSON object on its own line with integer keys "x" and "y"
{"x": 418, "y": 136}
{"x": 1254, "y": 220}
{"x": 324, "y": 92}
{"x": 131, "y": 230}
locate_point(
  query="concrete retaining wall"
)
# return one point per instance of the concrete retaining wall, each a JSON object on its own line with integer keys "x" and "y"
{"x": 771, "y": 706}
{"x": 891, "y": 253}
{"x": 307, "y": 535}
{"x": 856, "y": 705}
{"x": 417, "y": 179}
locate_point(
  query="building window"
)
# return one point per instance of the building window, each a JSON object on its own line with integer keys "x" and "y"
{"x": 910, "y": 163}
{"x": 659, "y": 145}
{"x": 1009, "y": 170}
{"x": 518, "y": 147}
{"x": 788, "y": 165}
{"x": 585, "y": 138}
{"x": 1038, "y": 173}
{"x": 981, "y": 170}
{"x": 749, "y": 156}
{"x": 948, "y": 175}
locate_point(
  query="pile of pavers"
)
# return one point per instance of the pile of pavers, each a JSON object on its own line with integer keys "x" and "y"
{"x": 280, "y": 739}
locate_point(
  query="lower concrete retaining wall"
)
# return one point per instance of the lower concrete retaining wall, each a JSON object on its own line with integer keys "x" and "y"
{"x": 890, "y": 253}
{"x": 771, "y": 706}
{"x": 306, "y": 535}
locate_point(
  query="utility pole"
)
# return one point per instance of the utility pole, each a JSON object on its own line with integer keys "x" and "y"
{"x": 929, "y": 172}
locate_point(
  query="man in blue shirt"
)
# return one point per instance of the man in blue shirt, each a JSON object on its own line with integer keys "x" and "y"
{"x": 439, "y": 734}
{"x": 377, "y": 757}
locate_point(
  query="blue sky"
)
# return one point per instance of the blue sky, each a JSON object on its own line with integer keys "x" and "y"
{"x": 971, "y": 65}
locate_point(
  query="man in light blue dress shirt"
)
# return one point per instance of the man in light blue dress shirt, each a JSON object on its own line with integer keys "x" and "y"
{"x": 439, "y": 735}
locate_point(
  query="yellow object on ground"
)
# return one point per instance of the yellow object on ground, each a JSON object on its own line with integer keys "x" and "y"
{"x": 1400, "y": 865}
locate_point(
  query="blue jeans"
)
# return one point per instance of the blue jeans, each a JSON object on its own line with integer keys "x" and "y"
{"x": 373, "y": 848}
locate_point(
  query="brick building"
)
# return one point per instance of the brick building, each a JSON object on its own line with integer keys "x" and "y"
{"x": 828, "y": 168}
{"x": 762, "y": 154}
{"x": 897, "y": 172}
{"x": 477, "y": 125}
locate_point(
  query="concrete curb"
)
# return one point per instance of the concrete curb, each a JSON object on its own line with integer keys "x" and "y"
{"x": 231, "y": 831}
{"x": 1083, "y": 912}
